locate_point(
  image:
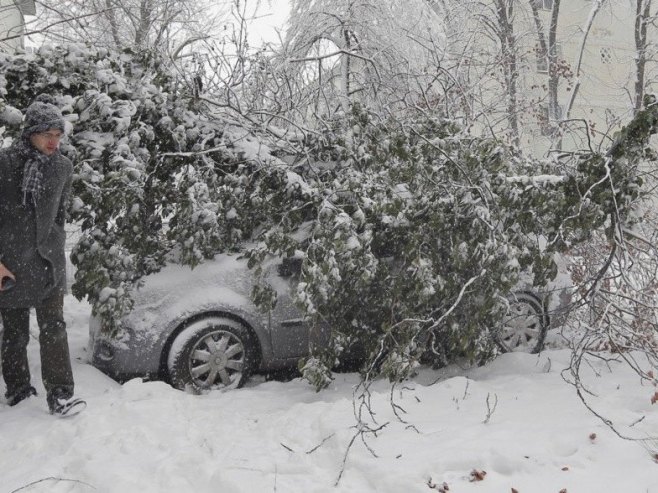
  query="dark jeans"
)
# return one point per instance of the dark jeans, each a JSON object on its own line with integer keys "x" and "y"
{"x": 55, "y": 360}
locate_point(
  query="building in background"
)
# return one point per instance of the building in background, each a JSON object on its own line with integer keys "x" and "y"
{"x": 546, "y": 82}
{"x": 546, "y": 75}
{"x": 12, "y": 23}
{"x": 595, "y": 95}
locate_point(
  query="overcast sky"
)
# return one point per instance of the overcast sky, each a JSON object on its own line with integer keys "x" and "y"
{"x": 271, "y": 16}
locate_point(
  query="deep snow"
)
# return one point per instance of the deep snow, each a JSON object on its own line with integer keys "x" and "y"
{"x": 284, "y": 437}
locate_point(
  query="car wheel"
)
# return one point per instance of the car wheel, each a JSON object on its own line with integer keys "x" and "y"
{"x": 525, "y": 324}
{"x": 212, "y": 353}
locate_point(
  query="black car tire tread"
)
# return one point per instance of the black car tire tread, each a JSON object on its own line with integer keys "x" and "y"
{"x": 197, "y": 336}
{"x": 534, "y": 303}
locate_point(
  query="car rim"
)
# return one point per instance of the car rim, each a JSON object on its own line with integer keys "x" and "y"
{"x": 522, "y": 327}
{"x": 217, "y": 360}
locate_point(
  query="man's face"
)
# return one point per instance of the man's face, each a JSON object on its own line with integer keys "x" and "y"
{"x": 46, "y": 142}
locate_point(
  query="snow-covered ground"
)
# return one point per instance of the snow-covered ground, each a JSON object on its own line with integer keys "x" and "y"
{"x": 283, "y": 437}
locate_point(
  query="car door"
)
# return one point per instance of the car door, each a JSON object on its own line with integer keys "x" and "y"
{"x": 292, "y": 336}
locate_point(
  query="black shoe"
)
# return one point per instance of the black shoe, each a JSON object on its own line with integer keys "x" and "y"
{"x": 62, "y": 403}
{"x": 21, "y": 395}
{"x": 67, "y": 407}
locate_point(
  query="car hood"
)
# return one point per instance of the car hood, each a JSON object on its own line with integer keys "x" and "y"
{"x": 177, "y": 290}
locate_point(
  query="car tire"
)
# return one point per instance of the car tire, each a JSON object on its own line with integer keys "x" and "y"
{"x": 212, "y": 353}
{"x": 525, "y": 325}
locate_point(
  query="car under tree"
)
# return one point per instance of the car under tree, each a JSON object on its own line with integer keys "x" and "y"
{"x": 199, "y": 329}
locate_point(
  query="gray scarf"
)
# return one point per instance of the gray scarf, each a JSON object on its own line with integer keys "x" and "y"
{"x": 32, "y": 185}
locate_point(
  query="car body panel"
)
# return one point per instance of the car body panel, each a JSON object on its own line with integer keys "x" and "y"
{"x": 177, "y": 295}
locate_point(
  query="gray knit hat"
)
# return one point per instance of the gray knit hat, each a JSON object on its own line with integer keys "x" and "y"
{"x": 42, "y": 115}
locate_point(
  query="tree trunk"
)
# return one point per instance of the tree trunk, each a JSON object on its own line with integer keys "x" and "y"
{"x": 548, "y": 51}
{"x": 345, "y": 70}
{"x": 553, "y": 76}
{"x": 146, "y": 8}
{"x": 504, "y": 11}
{"x": 112, "y": 19}
{"x": 346, "y": 64}
{"x": 642, "y": 12}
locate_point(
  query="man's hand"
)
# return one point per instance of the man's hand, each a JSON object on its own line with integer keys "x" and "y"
{"x": 4, "y": 272}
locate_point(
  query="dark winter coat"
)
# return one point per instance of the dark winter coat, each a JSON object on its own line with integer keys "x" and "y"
{"x": 32, "y": 237}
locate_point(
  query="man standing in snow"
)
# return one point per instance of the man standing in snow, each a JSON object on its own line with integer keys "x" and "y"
{"x": 35, "y": 181}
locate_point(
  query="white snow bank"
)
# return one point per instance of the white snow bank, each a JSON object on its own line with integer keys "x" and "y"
{"x": 284, "y": 437}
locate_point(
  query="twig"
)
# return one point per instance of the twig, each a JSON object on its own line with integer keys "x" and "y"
{"x": 53, "y": 478}
{"x": 320, "y": 444}
{"x": 347, "y": 451}
{"x": 468, "y": 382}
{"x": 287, "y": 448}
{"x": 360, "y": 433}
{"x": 397, "y": 409}
{"x": 574, "y": 368}
{"x": 491, "y": 409}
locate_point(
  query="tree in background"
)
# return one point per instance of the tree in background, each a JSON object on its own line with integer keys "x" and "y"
{"x": 548, "y": 51}
{"x": 482, "y": 54}
{"x": 645, "y": 50}
{"x": 158, "y": 25}
{"x": 376, "y": 53}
